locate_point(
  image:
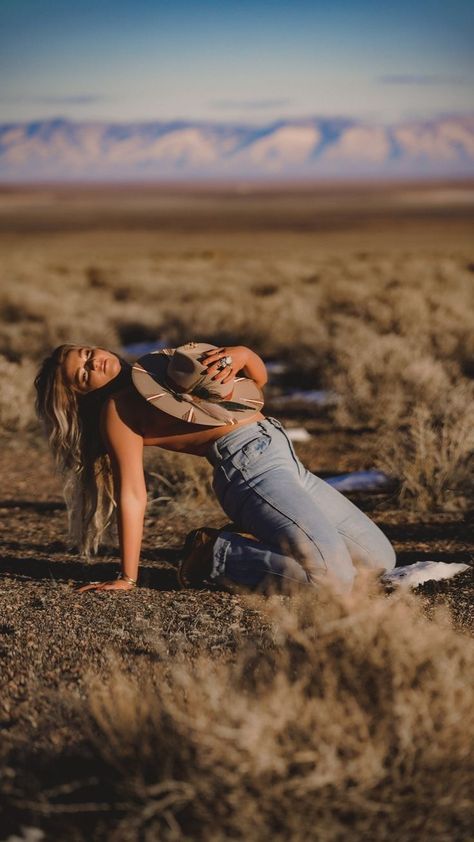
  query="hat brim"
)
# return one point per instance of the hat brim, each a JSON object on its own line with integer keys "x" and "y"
{"x": 149, "y": 379}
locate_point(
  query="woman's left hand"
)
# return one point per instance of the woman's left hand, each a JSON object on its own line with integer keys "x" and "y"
{"x": 115, "y": 585}
{"x": 239, "y": 355}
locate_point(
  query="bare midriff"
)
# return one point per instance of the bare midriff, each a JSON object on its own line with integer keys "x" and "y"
{"x": 159, "y": 429}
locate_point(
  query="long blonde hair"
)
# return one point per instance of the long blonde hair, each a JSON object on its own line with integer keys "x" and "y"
{"x": 71, "y": 422}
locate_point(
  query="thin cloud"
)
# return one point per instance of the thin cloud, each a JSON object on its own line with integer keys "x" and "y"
{"x": 250, "y": 104}
{"x": 420, "y": 79}
{"x": 75, "y": 99}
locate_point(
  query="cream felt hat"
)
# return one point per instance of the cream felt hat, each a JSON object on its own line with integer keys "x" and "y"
{"x": 176, "y": 381}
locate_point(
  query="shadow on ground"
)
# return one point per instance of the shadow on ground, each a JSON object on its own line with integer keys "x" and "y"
{"x": 28, "y": 567}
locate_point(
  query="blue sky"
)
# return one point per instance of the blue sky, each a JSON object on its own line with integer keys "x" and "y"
{"x": 245, "y": 60}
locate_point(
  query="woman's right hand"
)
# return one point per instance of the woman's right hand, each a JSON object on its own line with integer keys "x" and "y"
{"x": 114, "y": 585}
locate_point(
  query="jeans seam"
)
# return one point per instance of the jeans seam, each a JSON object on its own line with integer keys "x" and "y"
{"x": 354, "y": 541}
{"x": 222, "y": 467}
{"x": 290, "y": 448}
{"x": 271, "y": 503}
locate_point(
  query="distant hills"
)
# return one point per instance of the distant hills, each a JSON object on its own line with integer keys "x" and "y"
{"x": 316, "y": 148}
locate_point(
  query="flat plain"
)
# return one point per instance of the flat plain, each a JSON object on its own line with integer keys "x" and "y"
{"x": 365, "y": 292}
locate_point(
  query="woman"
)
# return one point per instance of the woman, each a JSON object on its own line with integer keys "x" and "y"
{"x": 100, "y": 413}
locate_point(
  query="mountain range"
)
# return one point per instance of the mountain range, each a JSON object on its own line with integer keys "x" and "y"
{"x": 317, "y": 147}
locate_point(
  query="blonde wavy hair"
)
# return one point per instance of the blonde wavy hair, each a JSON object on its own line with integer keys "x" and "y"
{"x": 71, "y": 423}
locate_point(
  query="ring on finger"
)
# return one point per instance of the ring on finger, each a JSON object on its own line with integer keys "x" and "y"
{"x": 224, "y": 362}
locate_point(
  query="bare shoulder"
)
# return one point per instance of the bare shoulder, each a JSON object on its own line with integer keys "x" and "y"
{"x": 123, "y": 408}
{"x": 124, "y": 444}
{"x": 120, "y": 423}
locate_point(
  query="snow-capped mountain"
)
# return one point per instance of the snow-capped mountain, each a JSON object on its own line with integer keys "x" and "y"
{"x": 310, "y": 148}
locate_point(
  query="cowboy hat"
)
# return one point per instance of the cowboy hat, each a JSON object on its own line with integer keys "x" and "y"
{"x": 176, "y": 381}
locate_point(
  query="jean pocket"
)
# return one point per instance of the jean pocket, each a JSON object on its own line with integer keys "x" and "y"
{"x": 251, "y": 452}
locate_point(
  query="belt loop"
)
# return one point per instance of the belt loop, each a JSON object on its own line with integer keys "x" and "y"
{"x": 275, "y": 422}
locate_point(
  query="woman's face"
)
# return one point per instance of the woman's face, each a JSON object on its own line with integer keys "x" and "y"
{"x": 87, "y": 369}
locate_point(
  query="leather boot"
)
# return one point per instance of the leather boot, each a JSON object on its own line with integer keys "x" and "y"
{"x": 196, "y": 565}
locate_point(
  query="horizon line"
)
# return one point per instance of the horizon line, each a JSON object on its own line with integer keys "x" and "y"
{"x": 216, "y": 121}
{"x": 243, "y": 184}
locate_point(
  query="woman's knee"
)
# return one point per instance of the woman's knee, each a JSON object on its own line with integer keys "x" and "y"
{"x": 386, "y": 556}
{"x": 374, "y": 554}
{"x": 326, "y": 560}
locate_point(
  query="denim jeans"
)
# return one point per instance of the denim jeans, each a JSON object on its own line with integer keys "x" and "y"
{"x": 305, "y": 530}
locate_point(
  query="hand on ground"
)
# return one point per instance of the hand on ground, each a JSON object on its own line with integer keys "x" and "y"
{"x": 115, "y": 585}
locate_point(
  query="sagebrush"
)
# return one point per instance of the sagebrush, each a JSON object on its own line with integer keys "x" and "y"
{"x": 350, "y": 718}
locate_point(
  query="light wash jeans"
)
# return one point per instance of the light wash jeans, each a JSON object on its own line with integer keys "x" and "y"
{"x": 306, "y": 530}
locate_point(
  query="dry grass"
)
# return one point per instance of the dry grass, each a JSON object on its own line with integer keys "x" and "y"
{"x": 351, "y": 718}
{"x": 180, "y": 483}
{"x": 389, "y": 329}
{"x": 320, "y": 718}
{"x": 381, "y": 378}
{"x": 17, "y": 395}
{"x": 433, "y": 455}
{"x": 381, "y": 324}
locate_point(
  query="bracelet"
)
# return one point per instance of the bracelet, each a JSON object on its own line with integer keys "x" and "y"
{"x": 127, "y": 579}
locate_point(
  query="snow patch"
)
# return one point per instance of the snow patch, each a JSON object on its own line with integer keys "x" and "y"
{"x": 361, "y": 143}
{"x": 287, "y": 145}
{"x": 416, "y": 574}
{"x": 298, "y": 434}
{"x": 361, "y": 481}
{"x": 316, "y": 397}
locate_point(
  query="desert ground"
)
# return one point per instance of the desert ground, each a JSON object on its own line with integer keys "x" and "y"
{"x": 165, "y": 714}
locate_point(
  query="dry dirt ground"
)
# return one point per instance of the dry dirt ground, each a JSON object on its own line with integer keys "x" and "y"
{"x": 51, "y": 637}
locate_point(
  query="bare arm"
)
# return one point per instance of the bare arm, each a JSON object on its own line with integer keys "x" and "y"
{"x": 255, "y": 368}
{"x": 243, "y": 359}
{"x": 125, "y": 449}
